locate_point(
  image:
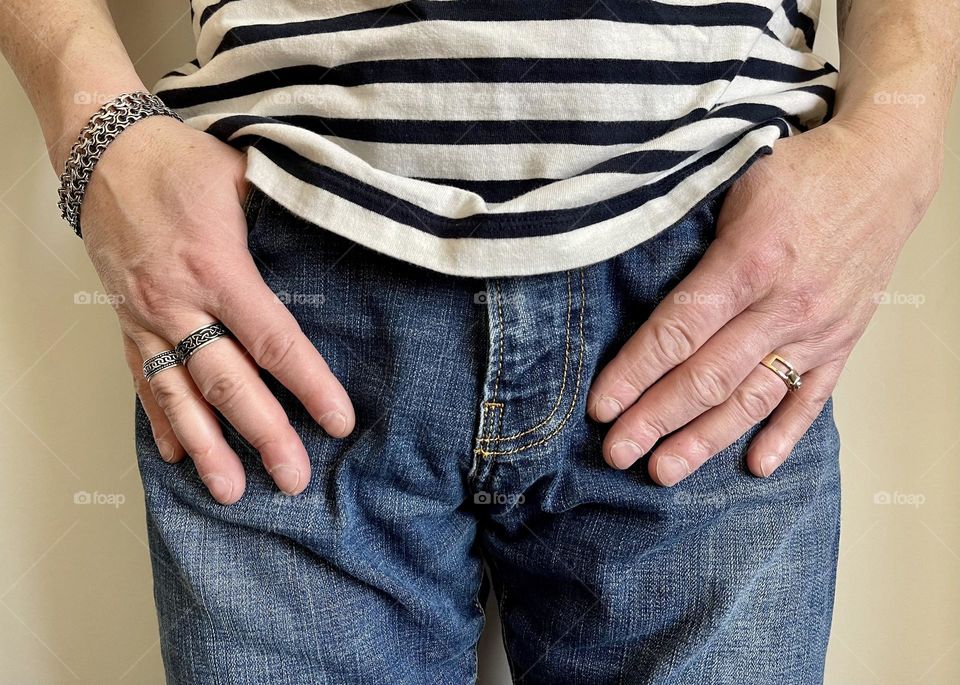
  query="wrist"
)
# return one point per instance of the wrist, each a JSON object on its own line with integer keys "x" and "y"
{"x": 75, "y": 109}
{"x": 889, "y": 151}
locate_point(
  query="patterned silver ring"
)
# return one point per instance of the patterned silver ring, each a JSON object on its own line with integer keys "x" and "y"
{"x": 201, "y": 337}
{"x": 159, "y": 362}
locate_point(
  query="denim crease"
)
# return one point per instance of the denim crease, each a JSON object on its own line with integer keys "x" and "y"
{"x": 474, "y": 467}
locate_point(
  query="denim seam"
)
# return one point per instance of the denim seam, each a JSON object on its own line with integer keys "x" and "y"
{"x": 563, "y": 382}
{"x": 501, "y": 610}
{"x": 576, "y": 391}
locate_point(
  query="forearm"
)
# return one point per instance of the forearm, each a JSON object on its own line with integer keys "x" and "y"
{"x": 69, "y": 59}
{"x": 899, "y": 61}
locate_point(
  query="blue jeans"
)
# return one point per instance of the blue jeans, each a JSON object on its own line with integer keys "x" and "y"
{"x": 474, "y": 464}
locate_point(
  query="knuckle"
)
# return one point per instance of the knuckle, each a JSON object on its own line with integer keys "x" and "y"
{"x": 204, "y": 266}
{"x": 802, "y": 306}
{"x": 201, "y": 451}
{"x": 674, "y": 341}
{"x": 223, "y": 389}
{"x": 698, "y": 446}
{"x": 756, "y": 267}
{"x": 149, "y": 293}
{"x": 811, "y": 402}
{"x": 170, "y": 397}
{"x": 708, "y": 386}
{"x": 753, "y": 403}
{"x": 270, "y": 439}
{"x": 273, "y": 350}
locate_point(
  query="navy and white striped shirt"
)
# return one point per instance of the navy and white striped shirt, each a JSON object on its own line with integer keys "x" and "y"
{"x": 500, "y": 137}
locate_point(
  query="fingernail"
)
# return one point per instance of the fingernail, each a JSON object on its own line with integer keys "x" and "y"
{"x": 221, "y": 488}
{"x": 334, "y": 422}
{"x": 671, "y": 470}
{"x": 624, "y": 453}
{"x": 769, "y": 464}
{"x": 608, "y": 409}
{"x": 287, "y": 478}
{"x": 167, "y": 451}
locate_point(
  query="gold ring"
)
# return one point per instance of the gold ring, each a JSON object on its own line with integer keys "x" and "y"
{"x": 784, "y": 369}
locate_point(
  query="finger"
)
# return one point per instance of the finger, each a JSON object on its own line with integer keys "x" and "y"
{"x": 229, "y": 380}
{"x": 167, "y": 444}
{"x": 791, "y": 420}
{"x": 683, "y": 452}
{"x": 704, "y": 381}
{"x": 270, "y": 333}
{"x": 712, "y": 294}
{"x": 195, "y": 425}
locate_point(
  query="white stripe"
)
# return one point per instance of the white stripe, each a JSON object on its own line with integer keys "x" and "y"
{"x": 517, "y": 162}
{"x": 443, "y": 200}
{"x": 575, "y": 38}
{"x": 508, "y": 256}
{"x": 746, "y": 89}
{"x": 476, "y": 101}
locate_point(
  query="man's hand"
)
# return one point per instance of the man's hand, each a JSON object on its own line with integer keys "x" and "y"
{"x": 162, "y": 222}
{"x": 806, "y": 242}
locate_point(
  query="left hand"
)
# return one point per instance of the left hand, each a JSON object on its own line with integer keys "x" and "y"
{"x": 806, "y": 243}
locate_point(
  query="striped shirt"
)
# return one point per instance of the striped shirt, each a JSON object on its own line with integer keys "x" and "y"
{"x": 500, "y": 137}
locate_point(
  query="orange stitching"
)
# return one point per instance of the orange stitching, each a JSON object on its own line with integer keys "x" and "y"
{"x": 576, "y": 392}
{"x": 563, "y": 382}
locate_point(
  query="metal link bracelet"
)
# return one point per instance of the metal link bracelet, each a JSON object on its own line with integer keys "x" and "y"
{"x": 102, "y": 129}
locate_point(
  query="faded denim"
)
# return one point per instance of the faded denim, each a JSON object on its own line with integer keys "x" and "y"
{"x": 473, "y": 451}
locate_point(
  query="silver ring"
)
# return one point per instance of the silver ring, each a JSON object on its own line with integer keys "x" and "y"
{"x": 201, "y": 337}
{"x": 159, "y": 362}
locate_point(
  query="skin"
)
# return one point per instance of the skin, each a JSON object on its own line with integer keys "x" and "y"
{"x": 806, "y": 239}
{"x": 163, "y": 225}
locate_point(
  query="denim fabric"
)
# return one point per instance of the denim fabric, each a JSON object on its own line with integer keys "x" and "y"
{"x": 473, "y": 458}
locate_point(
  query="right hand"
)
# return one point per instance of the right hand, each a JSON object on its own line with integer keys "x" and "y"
{"x": 163, "y": 224}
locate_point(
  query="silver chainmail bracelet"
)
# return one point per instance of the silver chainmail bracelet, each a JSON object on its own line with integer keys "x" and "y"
{"x": 102, "y": 129}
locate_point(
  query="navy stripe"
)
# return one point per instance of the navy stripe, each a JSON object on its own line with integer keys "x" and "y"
{"x": 210, "y": 10}
{"x": 494, "y": 132}
{"x": 800, "y": 20}
{"x": 640, "y": 162}
{"x": 622, "y": 11}
{"x": 483, "y": 226}
{"x": 491, "y": 70}
{"x": 493, "y": 191}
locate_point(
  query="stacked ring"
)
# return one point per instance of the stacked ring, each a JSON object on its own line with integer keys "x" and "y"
{"x": 159, "y": 362}
{"x": 201, "y": 337}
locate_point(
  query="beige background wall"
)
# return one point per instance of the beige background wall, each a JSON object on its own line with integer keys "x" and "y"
{"x": 75, "y": 594}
